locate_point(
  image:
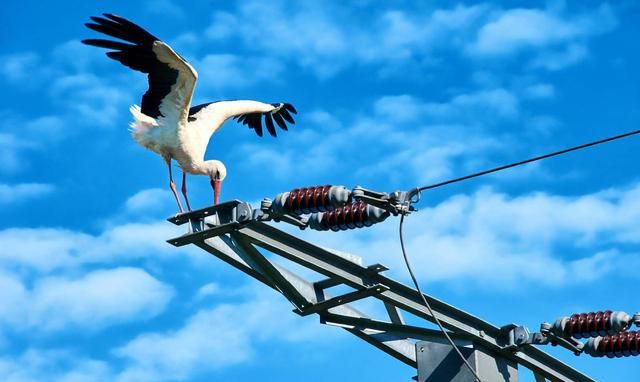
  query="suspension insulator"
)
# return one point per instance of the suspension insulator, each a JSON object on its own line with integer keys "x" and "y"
{"x": 356, "y": 215}
{"x": 625, "y": 344}
{"x": 593, "y": 324}
{"x": 309, "y": 200}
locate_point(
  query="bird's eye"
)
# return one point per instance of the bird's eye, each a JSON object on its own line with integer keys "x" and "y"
{"x": 217, "y": 174}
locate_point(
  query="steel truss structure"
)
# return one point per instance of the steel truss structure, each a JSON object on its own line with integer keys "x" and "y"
{"x": 238, "y": 235}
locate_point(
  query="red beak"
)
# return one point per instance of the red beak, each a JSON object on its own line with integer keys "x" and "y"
{"x": 215, "y": 183}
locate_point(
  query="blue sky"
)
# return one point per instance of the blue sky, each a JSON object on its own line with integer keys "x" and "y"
{"x": 389, "y": 97}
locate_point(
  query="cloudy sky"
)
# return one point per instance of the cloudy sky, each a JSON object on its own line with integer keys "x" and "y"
{"x": 389, "y": 97}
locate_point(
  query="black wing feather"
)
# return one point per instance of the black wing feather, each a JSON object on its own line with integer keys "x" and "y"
{"x": 285, "y": 114}
{"x": 137, "y": 55}
{"x": 254, "y": 120}
{"x": 278, "y": 118}
{"x": 269, "y": 124}
{"x": 290, "y": 107}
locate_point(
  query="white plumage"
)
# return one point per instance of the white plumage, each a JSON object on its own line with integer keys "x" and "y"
{"x": 165, "y": 122}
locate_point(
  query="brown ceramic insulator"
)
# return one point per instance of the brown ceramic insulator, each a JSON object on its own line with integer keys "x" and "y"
{"x": 623, "y": 344}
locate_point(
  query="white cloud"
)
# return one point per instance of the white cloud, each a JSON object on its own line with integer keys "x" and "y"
{"x": 52, "y": 365}
{"x": 20, "y": 67}
{"x": 540, "y": 91}
{"x": 46, "y": 128}
{"x": 224, "y": 71}
{"x": 100, "y": 298}
{"x": 214, "y": 338}
{"x": 93, "y": 100}
{"x": 517, "y": 29}
{"x": 208, "y": 340}
{"x": 149, "y": 200}
{"x": 46, "y": 249}
{"x": 556, "y": 40}
{"x": 560, "y": 59}
{"x": 11, "y": 152}
{"x": 13, "y": 193}
{"x": 429, "y": 139}
{"x": 523, "y": 28}
{"x": 165, "y": 7}
{"x": 95, "y": 300}
{"x": 326, "y": 38}
{"x": 500, "y": 101}
{"x": 209, "y": 289}
{"x": 535, "y": 239}
{"x": 489, "y": 104}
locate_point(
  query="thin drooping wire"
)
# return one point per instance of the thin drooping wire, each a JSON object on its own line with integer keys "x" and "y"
{"x": 530, "y": 160}
{"x": 426, "y": 303}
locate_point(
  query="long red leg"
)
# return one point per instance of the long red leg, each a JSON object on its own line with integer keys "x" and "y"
{"x": 184, "y": 190}
{"x": 173, "y": 187}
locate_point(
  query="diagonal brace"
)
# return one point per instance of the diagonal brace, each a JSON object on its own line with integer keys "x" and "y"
{"x": 341, "y": 300}
{"x": 258, "y": 262}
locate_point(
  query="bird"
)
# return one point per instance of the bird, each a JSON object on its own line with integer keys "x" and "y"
{"x": 165, "y": 122}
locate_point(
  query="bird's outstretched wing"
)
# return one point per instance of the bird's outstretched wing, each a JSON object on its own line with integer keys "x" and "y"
{"x": 171, "y": 78}
{"x": 250, "y": 113}
{"x": 281, "y": 115}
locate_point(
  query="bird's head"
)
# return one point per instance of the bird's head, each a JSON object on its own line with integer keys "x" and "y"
{"x": 217, "y": 172}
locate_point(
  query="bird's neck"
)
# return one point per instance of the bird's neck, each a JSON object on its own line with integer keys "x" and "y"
{"x": 194, "y": 166}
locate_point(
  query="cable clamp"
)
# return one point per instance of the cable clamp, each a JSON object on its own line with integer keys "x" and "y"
{"x": 396, "y": 203}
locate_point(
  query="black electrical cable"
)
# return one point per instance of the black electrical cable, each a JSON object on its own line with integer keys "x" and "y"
{"x": 529, "y": 160}
{"x": 426, "y": 303}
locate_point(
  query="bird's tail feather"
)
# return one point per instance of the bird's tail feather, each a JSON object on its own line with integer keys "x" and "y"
{"x": 140, "y": 120}
{"x": 141, "y": 126}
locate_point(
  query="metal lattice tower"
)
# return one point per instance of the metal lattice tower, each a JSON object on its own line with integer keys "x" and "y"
{"x": 237, "y": 234}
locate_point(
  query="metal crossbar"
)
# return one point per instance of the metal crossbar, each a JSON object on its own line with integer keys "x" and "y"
{"x": 232, "y": 233}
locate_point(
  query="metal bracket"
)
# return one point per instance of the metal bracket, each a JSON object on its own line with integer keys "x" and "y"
{"x": 568, "y": 343}
{"x": 341, "y": 300}
{"x": 516, "y": 336}
{"x": 212, "y": 221}
{"x": 398, "y": 202}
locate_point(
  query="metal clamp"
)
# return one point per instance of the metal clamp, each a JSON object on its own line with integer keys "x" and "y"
{"x": 398, "y": 202}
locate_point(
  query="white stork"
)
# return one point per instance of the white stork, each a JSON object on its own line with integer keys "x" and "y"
{"x": 165, "y": 123}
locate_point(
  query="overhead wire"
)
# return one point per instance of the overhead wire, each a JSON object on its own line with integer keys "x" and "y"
{"x": 417, "y": 192}
{"x": 428, "y": 306}
{"x": 534, "y": 159}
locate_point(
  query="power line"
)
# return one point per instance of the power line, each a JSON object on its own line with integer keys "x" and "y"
{"x": 426, "y": 303}
{"x": 534, "y": 159}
